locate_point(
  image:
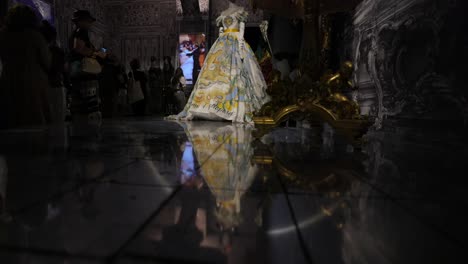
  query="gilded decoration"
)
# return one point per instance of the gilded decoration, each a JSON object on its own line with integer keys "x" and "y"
{"x": 316, "y": 94}
{"x": 332, "y": 178}
{"x": 323, "y": 100}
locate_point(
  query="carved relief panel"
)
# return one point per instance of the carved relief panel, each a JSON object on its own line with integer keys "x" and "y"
{"x": 143, "y": 49}
{"x": 141, "y": 29}
{"x": 64, "y": 12}
{"x": 397, "y": 47}
{"x": 142, "y": 14}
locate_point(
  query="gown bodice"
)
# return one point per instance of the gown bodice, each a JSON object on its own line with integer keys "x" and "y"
{"x": 232, "y": 20}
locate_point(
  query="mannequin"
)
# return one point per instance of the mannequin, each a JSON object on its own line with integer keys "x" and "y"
{"x": 230, "y": 85}
{"x": 232, "y": 9}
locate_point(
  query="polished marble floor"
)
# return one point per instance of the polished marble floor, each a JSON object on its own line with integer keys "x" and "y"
{"x": 152, "y": 191}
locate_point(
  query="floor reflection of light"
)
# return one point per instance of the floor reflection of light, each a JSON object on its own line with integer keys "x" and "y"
{"x": 188, "y": 163}
{"x": 292, "y": 228}
{"x": 154, "y": 171}
{"x": 163, "y": 181}
{"x": 306, "y": 223}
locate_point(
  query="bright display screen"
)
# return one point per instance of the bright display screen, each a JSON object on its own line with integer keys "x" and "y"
{"x": 192, "y": 52}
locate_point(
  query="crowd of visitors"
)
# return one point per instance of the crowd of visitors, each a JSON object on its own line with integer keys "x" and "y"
{"x": 43, "y": 85}
{"x": 26, "y": 60}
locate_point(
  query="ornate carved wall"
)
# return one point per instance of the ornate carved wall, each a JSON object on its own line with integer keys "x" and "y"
{"x": 410, "y": 60}
{"x": 401, "y": 166}
{"x": 129, "y": 29}
{"x": 64, "y": 12}
{"x": 141, "y": 29}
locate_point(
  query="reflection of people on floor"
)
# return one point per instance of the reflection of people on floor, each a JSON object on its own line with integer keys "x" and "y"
{"x": 35, "y": 200}
{"x": 185, "y": 234}
{"x": 328, "y": 141}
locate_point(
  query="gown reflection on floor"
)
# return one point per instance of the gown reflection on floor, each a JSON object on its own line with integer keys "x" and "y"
{"x": 224, "y": 152}
{"x": 207, "y": 192}
{"x": 188, "y": 163}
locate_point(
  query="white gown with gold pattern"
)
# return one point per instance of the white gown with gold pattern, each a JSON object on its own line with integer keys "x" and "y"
{"x": 230, "y": 85}
{"x": 224, "y": 154}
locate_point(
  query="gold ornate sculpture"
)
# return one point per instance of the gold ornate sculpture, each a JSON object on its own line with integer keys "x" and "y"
{"x": 323, "y": 100}
{"x": 332, "y": 89}
{"x": 279, "y": 95}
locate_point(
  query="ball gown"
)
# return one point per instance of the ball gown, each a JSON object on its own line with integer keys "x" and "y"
{"x": 231, "y": 85}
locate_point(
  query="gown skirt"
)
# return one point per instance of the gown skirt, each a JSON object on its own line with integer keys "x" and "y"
{"x": 230, "y": 86}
